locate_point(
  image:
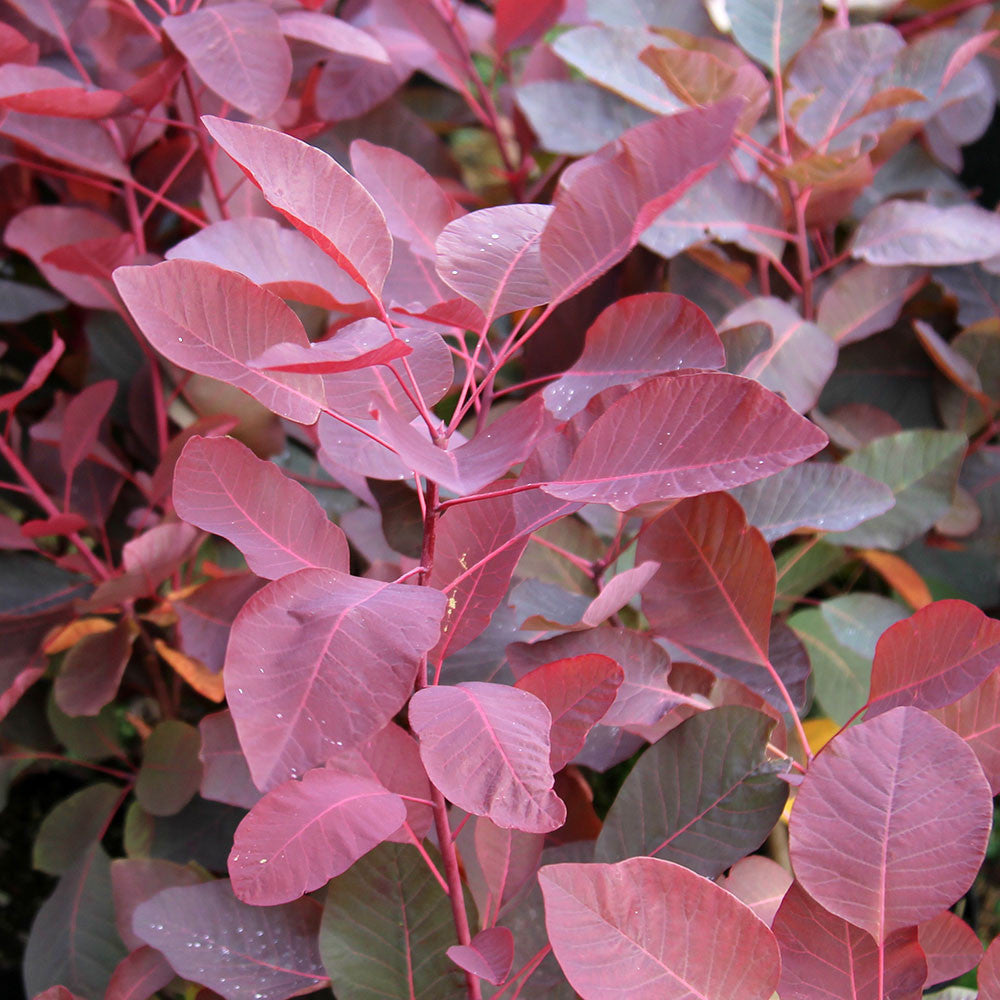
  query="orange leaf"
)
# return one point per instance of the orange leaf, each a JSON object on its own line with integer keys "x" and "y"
{"x": 193, "y": 671}
{"x": 900, "y": 575}
{"x": 69, "y": 635}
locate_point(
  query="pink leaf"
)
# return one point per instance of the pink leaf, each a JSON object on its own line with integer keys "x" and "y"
{"x": 39, "y": 373}
{"x": 665, "y": 332}
{"x": 507, "y": 860}
{"x": 280, "y": 259}
{"x": 486, "y": 747}
{"x": 415, "y": 207}
{"x": 493, "y": 258}
{"x": 205, "y": 616}
{"x": 876, "y": 808}
{"x": 212, "y": 321}
{"x": 303, "y": 833}
{"x": 82, "y": 144}
{"x": 222, "y": 487}
{"x": 330, "y": 357}
{"x": 225, "y": 774}
{"x": 866, "y": 299}
{"x": 57, "y": 993}
{"x": 693, "y": 441}
{"x": 989, "y": 972}
{"x": 318, "y": 660}
{"x": 489, "y": 955}
{"x": 934, "y": 657}
{"x": 239, "y": 51}
{"x": 800, "y": 358}
{"x": 760, "y": 883}
{"x": 976, "y": 718}
{"x": 270, "y": 951}
{"x": 139, "y": 975}
{"x": 40, "y": 90}
{"x": 471, "y": 466}
{"x": 823, "y": 957}
{"x": 577, "y": 692}
{"x": 618, "y": 592}
{"x": 606, "y": 200}
{"x": 134, "y": 880}
{"x": 951, "y": 947}
{"x": 82, "y": 423}
{"x": 646, "y": 927}
{"x": 315, "y": 194}
{"x": 93, "y": 669}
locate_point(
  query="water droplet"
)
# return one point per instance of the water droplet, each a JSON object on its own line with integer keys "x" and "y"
{"x": 454, "y": 272}
{"x": 180, "y": 340}
{"x": 495, "y": 236}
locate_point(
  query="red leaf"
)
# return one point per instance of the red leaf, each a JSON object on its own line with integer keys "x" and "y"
{"x": 665, "y": 332}
{"x": 222, "y": 487}
{"x": 493, "y": 258}
{"x": 239, "y": 51}
{"x": 199, "y": 316}
{"x": 951, "y": 947}
{"x": 280, "y": 259}
{"x": 139, "y": 975}
{"x": 40, "y": 90}
{"x": 39, "y": 373}
{"x": 93, "y": 669}
{"x": 825, "y": 958}
{"x": 330, "y": 356}
{"x": 606, "y": 200}
{"x": 646, "y": 927}
{"x": 245, "y": 950}
{"x": 934, "y": 657}
{"x": 489, "y": 955}
{"x": 976, "y": 718}
{"x": 315, "y": 194}
{"x": 82, "y": 423}
{"x": 303, "y": 833}
{"x": 577, "y": 692}
{"x": 318, "y": 660}
{"x": 876, "y": 808}
{"x": 507, "y": 860}
{"x": 486, "y": 747}
{"x": 58, "y": 524}
{"x": 693, "y": 441}
{"x": 523, "y": 22}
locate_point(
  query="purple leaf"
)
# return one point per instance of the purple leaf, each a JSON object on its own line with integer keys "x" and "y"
{"x": 73, "y": 939}
{"x": 415, "y": 207}
{"x": 205, "y": 616}
{"x": 817, "y": 495}
{"x": 493, "y": 258}
{"x": 647, "y": 927}
{"x": 703, "y": 796}
{"x": 507, "y": 859}
{"x": 212, "y": 321}
{"x": 386, "y": 926}
{"x": 221, "y": 486}
{"x": 280, "y": 259}
{"x": 866, "y": 299}
{"x": 934, "y": 657}
{"x": 577, "y": 691}
{"x": 911, "y": 232}
{"x": 241, "y": 950}
{"x": 170, "y": 774}
{"x": 239, "y": 51}
{"x": 800, "y": 358}
{"x": 134, "y": 880}
{"x": 772, "y": 31}
{"x": 951, "y": 947}
{"x": 665, "y": 332}
{"x": 760, "y": 883}
{"x": 475, "y": 464}
{"x": 489, "y": 955}
{"x": 693, "y": 441}
{"x": 823, "y": 957}
{"x": 486, "y": 747}
{"x": 989, "y": 972}
{"x": 82, "y": 423}
{"x": 605, "y": 201}
{"x": 93, "y": 669}
{"x": 324, "y": 201}
{"x": 878, "y": 806}
{"x": 618, "y": 592}
{"x": 303, "y": 833}
{"x": 39, "y": 373}
{"x": 225, "y": 774}
{"x": 139, "y": 975}
{"x": 319, "y": 660}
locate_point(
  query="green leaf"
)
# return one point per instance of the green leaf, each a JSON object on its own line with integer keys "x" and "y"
{"x": 921, "y": 468}
{"x": 386, "y": 927}
{"x": 704, "y": 796}
{"x": 171, "y": 771}
{"x": 73, "y": 827}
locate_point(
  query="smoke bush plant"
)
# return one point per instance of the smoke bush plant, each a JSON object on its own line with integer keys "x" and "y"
{"x": 367, "y": 496}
